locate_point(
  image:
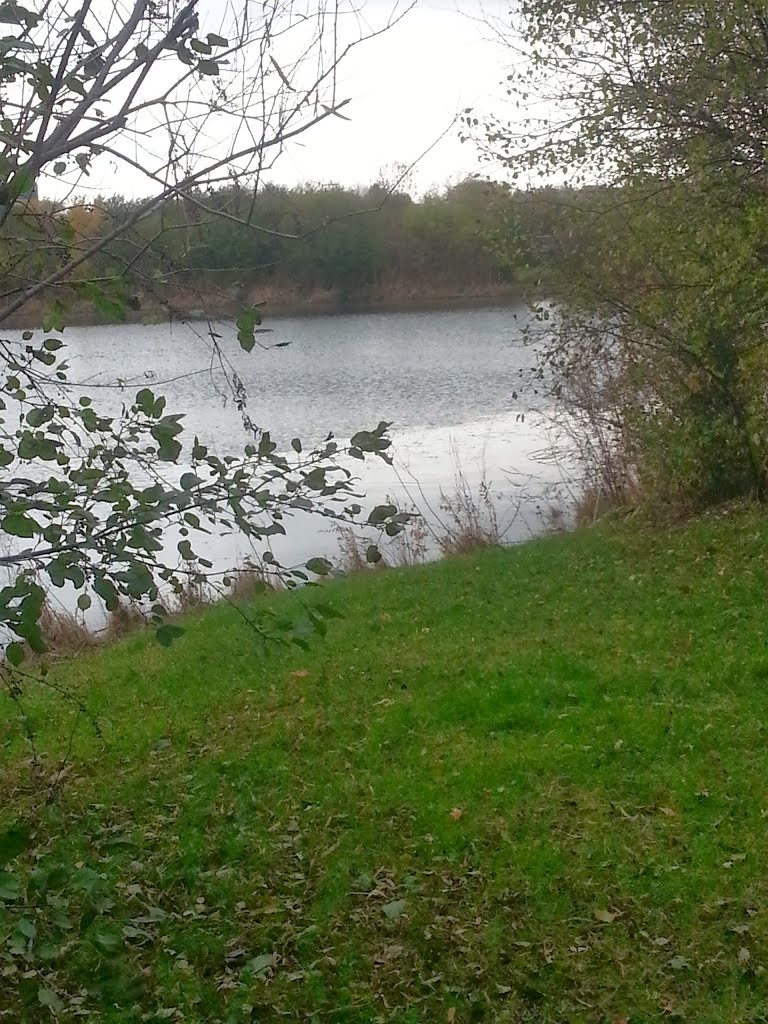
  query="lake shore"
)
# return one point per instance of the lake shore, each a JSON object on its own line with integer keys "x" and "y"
{"x": 278, "y": 303}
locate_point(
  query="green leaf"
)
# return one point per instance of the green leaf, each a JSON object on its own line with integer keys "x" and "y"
{"x": 169, "y": 451}
{"x": 88, "y": 880}
{"x": 75, "y": 575}
{"x": 84, "y": 602}
{"x": 59, "y": 167}
{"x": 14, "y": 14}
{"x": 54, "y": 317}
{"x": 47, "y": 997}
{"x": 167, "y": 633}
{"x": 10, "y": 887}
{"x": 215, "y": 40}
{"x": 18, "y": 525}
{"x": 32, "y": 447}
{"x": 372, "y": 554}
{"x": 106, "y": 591}
{"x": 40, "y": 416}
{"x": 22, "y": 183}
{"x": 108, "y": 942}
{"x": 319, "y": 566}
{"x": 189, "y": 481}
{"x": 208, "y": 67}
{"x": 381, "y": 514}
{"x": 185, "y": 550}
{"x": 315, "y": 479}
{"x": 247, "y": 322}
{"x": 14, "y": 652}
{"x": 13, "y": 842}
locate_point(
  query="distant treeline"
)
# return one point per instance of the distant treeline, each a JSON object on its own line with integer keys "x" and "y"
{"x": 475, "y": 237}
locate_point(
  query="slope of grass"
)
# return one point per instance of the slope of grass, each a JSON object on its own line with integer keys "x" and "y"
{"x": 527, "y": 786}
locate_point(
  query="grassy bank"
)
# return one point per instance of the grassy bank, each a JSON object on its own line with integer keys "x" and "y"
{"x": 527, "y": 786}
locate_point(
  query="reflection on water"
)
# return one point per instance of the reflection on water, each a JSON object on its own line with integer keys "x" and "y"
{"x": 452, "y": 383}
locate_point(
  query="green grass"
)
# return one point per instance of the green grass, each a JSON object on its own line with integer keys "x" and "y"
{"x": 528, "y": 786}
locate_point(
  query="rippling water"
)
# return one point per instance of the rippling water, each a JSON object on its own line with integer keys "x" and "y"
{"x": 452, "y": 383}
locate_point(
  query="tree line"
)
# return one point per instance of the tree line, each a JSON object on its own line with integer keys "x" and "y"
{"x": 474, "y": 237}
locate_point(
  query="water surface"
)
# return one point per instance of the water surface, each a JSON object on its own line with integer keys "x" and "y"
{"x": 455, "y": 385}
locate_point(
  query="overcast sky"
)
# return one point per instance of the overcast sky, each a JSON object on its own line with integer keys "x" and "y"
{"x": 406, "y": 87}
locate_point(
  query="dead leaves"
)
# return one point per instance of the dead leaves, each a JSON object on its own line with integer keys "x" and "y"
{"x": 394, "y": 909}
{"x": 679, "y": 963}
{"x": 606, "y": 916}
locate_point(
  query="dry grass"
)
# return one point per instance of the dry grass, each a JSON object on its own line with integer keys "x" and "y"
{"x": 125, "y": 619}
{"x": 594, "y": 503}
{"x": 589, "y": 434}
{"x": 192, "y": 594}
{"x": 411, "y": 547}
{"x": 352, "y": 551}
{"x": 469, "y": 521}
{"x": 250, "y": 579}
{"x": 63, "y": 632}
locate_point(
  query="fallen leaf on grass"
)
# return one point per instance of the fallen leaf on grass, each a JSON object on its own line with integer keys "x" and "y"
{"x": 47, "y": 997}
{"x": 735, "y": 858}
{"x": 744, "y": 955}
{"x": 394, "y": 909}
{"x": 604, "y": 916}
{"x": 451, "y": 1018}
{"x": 678, "y": 963}
{"x": 300, "y": 673}
{"x": 456, "y": 814}
{"x": 261, "y": 963}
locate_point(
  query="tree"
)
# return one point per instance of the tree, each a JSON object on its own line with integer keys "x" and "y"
{"x": 91, "y": 500}
{"x": 654, "y": 115}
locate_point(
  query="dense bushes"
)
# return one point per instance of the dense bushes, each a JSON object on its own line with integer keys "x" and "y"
{"x": 655, "y": 118}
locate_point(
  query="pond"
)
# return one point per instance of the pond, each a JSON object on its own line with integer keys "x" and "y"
{"x": 455, "y": 384}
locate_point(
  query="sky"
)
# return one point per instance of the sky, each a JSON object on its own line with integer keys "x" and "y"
{"x": 406, "y": 87}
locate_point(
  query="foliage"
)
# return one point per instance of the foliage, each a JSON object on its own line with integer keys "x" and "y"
{"x": 100, "y": 521}
{"x": 518, "y": 786}
{"x": 657, "y": 115}
{"x": 118, "y": 507}
{"x": 313, "y": 238}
